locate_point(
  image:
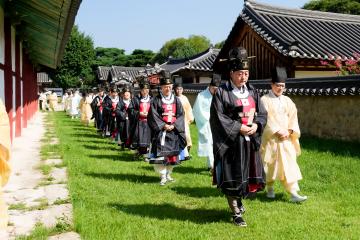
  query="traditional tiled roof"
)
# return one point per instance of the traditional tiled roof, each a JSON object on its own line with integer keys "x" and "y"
{"x": 103, "y": 73}
{"x": 43, "y": 77}
{"x": 200, "y": 62}
{"x": 303, "y": 33}
{"x": 127, "y": 72}
{"x": 320, "y": 86}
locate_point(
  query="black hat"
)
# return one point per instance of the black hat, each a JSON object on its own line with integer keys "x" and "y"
{"x": 144, "y": 85}
{"x": 177, "y": 85}
{"x": 215, "y": 80}
{"x": 126, "y": 88}
{"x": 165, "y": 78}
{"x": 278, "y": 75}
{"x": 238, "y": 59}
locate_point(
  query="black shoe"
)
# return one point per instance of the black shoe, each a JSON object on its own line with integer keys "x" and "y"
{"x": 241, "y": 207}
{"x": 238, "y": 220}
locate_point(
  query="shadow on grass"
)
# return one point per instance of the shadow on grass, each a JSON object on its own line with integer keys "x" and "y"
{"x": 338, "y": 147}
{"x": 261, "y": 196}
{"x": 86, "y": 135}
{"x": 110, "y": 147}
{"x": 198, "y": 192}
{"x": 169, "y": 211}
{"x": 94, "y": 140}
{"x": 181, "y": 169}
{"x": 117, "y": 156}
{"x": 125, "y": 177}
{"x": 186, "y": 169}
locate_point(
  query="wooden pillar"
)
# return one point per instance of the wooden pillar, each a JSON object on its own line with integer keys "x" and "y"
{"x": 8, "y": 84}
{"x": 17, "y": 90}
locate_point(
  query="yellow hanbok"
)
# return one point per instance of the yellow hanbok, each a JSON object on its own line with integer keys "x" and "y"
{"x": 279, "y": 157}
{"x": 85, "y": 109}
{"x": 189, "y": 117}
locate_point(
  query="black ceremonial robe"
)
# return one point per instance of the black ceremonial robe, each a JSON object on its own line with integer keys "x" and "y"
{"x": 237, "y": 162}
{"x": 175, "y": 140}
{"x": 141, "y": 134}
{"x": 98, "y": 111}
{"x": 123, "y": 120}
{"x": 109, "y": 117}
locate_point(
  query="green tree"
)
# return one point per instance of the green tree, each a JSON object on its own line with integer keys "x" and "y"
{"x": 139, "y": 58}
{"x": 182, "y": 48}
{"x": 75, "y": 69}
{"x": 336, "y": 6}
{"x": 108, "y": 56}
{"x": 220, "y": 44}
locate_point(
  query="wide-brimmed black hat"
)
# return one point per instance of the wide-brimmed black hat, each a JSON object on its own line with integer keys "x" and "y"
{"x": 113, "y": 89}
{"x": 238, "y": 59}
{"x": 278, "y": 75}
{"x": 215, "y": 80}
{"x": 178, "y": 85}
{"x": 165, "y": 78}
{"x": 144, "y": 85}
{"x": 126, "y": 88}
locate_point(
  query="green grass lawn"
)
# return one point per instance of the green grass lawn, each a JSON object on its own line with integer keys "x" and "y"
{"x": 115, "y": 197}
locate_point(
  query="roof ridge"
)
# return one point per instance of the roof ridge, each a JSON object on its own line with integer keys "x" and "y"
{"x": 210, "y": 51}
{"x": 302, "y": 12}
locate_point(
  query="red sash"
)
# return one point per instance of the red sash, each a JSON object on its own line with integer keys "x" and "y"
{"x": 144, "y": 107}
{"x": 101, "y": 106}
{"x": 248, "y": 105}
{"x": 169, "y": 112}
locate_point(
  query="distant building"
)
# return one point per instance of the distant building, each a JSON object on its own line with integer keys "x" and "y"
{"x": 43, "y": 80}
{"x": 195, "y": 69}
{"x": 296, "y": 38}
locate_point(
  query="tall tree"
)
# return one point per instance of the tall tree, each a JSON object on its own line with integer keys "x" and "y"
{"x": 108, "y": 56}
{"x": 182, "y": 48}
{"x": 139, "y": 58}
{"x": 220, "y": 44}
{"x": 336, "y": 6}
{"x": 75, "y": 69}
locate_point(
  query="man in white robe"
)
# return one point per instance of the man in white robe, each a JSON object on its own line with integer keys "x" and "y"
{"x": 201, "y": 112}
{"x": 280, "y": 140}
{"x": 74, "y": 105}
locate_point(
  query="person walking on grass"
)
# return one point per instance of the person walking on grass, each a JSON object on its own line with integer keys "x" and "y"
{"x": 280, "y": 141}
{"x": 189, "y": 117}
{"x": 85, "y": 108}
{"x": 123, "y": 111}
{"x": 166, "y": 120}
{"x": 109, "y": 115}
{"x": 201, "y": 113}
{"x": 237, "y": 119}
{"x": 97, "y": 107}
{"x": 141, "y": 134}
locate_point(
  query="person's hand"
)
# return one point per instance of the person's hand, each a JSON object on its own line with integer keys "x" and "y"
{"x": 98, "y": 104}
{"x": 282, "y": 134}
{"x": 143, "y": 114}
{"x": 244, "y": 129}
{"x": 168, "y": 127}
{"x": 252, "y": 129}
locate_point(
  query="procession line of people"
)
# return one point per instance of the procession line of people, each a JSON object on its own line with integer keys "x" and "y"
{"x": 249, "y": 141}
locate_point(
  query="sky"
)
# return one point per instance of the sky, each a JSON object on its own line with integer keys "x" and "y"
{"x": 148, "y": 24}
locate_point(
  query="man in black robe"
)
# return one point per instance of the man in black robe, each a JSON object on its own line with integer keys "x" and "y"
{"x": 109, "y": 114}
{"x": 97, "y": 108}
{"x": 166, "y": 120}
{"x": 141, "y": 134}
{"x": 124, "y": 117}
{"x": 237, "y": 119}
